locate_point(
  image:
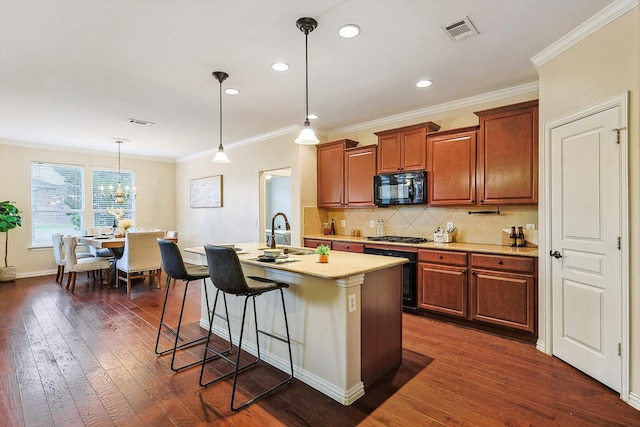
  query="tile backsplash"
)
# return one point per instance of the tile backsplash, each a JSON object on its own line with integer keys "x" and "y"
{"x": 421, "y": 221}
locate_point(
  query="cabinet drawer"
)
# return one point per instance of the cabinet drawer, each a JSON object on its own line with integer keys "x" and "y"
{"x": 348, "y": 247}
{"x": 313, "y": 243}
{"x": 501, "y": 262}
{"x": 443, "y": 257}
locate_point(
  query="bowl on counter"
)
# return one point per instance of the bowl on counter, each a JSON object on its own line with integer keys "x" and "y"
{"x": 272, "y": 253}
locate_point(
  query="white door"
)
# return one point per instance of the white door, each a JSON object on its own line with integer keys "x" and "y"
{"x": 585, "y": 229}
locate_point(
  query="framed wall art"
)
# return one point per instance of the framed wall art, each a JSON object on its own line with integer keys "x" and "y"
{"x": 206, "y": 192}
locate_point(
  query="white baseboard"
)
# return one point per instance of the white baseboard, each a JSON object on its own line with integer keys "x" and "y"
{"x": 36, "y": 274}
{"x": 634, "y": 400}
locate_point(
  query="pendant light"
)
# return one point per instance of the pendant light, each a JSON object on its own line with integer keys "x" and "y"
{"x": 220, "y": 156}
{"x": 307, "y": 136}
{"x": 120, "y": 195}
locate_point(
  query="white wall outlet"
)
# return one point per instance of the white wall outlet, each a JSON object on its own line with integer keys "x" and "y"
{"x": 450, "y": 225}
{"x": 343, "y": 223}
{"x": 531, "y": 227}
{"x": 372, "y": 224}
{"x": 352, "y": 303}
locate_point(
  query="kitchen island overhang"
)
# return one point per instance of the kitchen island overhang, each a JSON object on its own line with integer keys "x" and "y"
{"x": 345, "y": 317}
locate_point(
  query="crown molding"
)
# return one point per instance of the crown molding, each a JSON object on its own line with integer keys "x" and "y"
{"x": 448, "y": 106}
{"x": 593, "y": 24}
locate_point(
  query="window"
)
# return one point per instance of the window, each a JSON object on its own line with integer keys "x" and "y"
{"x": 57, "y": 204}
{"x": 110, "y": 178}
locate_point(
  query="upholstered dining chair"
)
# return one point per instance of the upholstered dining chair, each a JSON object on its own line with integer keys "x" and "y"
{"x": 59, "y": 252}
{"x": 101, "y": 252}
{"x": 141, "y": 258}
{"x": 227, "y": 276}
{"x": 74, "y": 264}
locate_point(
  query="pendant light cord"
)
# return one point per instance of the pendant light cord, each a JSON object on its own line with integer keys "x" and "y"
{"x": 220, "y": 146}
{"x": 306, "y": 73}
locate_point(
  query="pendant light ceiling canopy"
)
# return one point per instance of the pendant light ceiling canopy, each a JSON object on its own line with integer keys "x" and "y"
{"x": 221, "y": 156}
{"x": 306, "y": 136}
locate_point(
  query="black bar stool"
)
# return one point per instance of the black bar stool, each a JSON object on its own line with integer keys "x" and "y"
{"x": 227, "y": 276}
{"x": 174, "y": 267}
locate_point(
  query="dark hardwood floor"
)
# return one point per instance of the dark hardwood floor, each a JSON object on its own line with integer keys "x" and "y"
{"x": 88, "y": 359}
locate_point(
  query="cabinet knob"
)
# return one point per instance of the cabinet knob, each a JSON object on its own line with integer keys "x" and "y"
{"x": 473, "y": 272}
{"x": 499, "y": 262}
{"x": 440, "y": 256}
{"x": 464, "y": 271}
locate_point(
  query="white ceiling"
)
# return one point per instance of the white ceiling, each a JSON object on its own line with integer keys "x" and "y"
{"x": 72, "y": 71}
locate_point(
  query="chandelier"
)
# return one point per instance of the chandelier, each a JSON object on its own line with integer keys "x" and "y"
{"x": 120, "y": 195}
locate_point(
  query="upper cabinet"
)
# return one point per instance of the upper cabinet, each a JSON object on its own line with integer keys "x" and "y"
{"x": 359, "y": 169}
{"x": 331, "y": 173}
{"x": 507, "y": 159}
{"x": 404, "y": 149}
{"x": 451, "y": 166}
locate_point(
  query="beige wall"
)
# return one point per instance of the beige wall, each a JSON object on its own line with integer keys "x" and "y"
{"x": 155, "y": 207}
{"x": 239, "y": 219}
{"x": 605, "y": 64}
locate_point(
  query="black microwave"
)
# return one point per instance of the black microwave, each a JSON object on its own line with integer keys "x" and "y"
{"x": 407, "y": 188}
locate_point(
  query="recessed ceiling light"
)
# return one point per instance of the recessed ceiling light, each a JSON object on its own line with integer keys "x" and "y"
{"x": 279, "y": 66}
{"x": 424, "y": 83}
{"x": 312, "y": 116}
{"x": 231, "y": 91}
{"x": 349, "y": 31}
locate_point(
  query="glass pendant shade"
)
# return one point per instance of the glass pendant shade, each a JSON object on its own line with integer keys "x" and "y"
{"x": 221, "y": 156}
{"x": 307, "y": 136}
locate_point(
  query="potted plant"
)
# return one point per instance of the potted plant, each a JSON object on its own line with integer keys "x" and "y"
{"x": 9, "y": 219}
{"x": 323, "y": 252}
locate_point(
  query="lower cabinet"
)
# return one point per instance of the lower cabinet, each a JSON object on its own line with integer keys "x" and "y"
{"x": 314, "y": 243}
{"x": 503, "y": 291}
{"x": 442, "y": 282}
{"x": 488, "y": 289}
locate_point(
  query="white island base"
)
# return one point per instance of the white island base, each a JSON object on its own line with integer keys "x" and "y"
{"x": 346, "y": 330}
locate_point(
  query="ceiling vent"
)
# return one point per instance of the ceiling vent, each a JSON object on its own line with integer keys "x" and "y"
{"x": 460, "y": 30}
{"x": 141, "y": 122}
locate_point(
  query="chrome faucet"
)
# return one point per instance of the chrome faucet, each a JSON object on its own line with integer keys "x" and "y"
{"x": 273, "y": 228}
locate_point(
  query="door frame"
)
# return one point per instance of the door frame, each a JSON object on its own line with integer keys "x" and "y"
{"x": 545, "y": 342}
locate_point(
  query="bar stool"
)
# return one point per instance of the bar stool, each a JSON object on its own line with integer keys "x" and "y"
{"x": 175, "y": 268}
{"x": 227, "y": 276}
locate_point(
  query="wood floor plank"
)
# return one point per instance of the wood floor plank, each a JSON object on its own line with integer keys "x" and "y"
{"x": 87, "y": 359}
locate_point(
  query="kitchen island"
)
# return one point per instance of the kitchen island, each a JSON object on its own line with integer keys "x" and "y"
{"x": 345, "y": 317}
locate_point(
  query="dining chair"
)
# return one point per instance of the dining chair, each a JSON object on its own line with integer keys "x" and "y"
{"x": 175, "y": 269}
{"x": 227, "y": 276}
{"x": 74, "y": 264}
{"x": 140, "y": 258}
{"x": 100, "y": 252}
{"x": 58, "y": 255}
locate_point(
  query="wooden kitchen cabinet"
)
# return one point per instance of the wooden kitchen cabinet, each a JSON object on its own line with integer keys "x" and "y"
{"x": 330, "y": 162}
{"x": 451, "y": 166}
{"x": 404, "y": 149}
{"x": 348, "y": 247}
{"x": 503, "y": 291}
{"x": 442, "y": 282}
{"x": 359, "y": 170}
{"x": 508, "y": 155}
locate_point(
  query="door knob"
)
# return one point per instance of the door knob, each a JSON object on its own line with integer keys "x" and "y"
{"x": 555, "y": 254}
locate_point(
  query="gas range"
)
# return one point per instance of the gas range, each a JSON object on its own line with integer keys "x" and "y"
{"x": 398, "y": 239}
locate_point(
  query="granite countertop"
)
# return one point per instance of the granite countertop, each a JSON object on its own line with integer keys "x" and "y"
{"x": 340, "y": 265}
{"x": 456, "y": 246}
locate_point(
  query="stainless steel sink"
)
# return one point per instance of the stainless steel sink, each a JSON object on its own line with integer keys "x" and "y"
{"x": 301, "y": 252}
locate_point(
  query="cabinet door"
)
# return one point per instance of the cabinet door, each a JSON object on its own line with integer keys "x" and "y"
{"x": 443, "y": 289}
{"x": 330, "y": 176}
{"x": 413, "y": 150}
{"x": 389, "y": 153}
{"x": 504, "y": 299}
{"x": 451, "y": 163}
{"x": 360, "y": 167}
{"x": 508, "y": 155}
